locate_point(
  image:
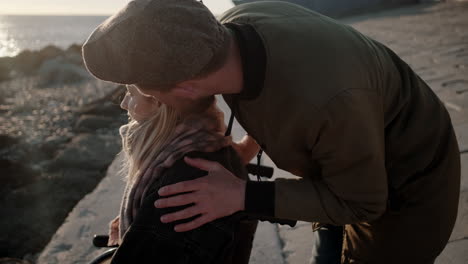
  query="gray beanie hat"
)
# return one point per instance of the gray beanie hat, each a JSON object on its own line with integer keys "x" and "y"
{"x": 156, "y": 42}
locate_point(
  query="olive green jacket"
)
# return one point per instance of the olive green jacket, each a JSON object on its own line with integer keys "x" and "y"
{"x": 338, "y": 109}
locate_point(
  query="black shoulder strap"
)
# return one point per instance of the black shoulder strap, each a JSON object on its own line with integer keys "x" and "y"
{"x": 258, "y": 169}
{"x": 229, "y": 128}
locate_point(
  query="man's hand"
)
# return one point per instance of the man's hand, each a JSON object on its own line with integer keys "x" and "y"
{"x": 215, "y": 195}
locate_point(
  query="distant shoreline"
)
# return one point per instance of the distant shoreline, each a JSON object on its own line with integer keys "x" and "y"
{"x": 40, "y": 49}
{"x": 35, "y": 32}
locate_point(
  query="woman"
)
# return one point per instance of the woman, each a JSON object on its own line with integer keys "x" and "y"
{"x": 155, "y": 141}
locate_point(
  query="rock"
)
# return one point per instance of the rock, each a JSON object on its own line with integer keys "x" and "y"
{"x": 7, "y": 141}
{"x": 13, "y": 261}
{"x": 28, "y": 61}
{"x": 14, "y": 175}
{"x": 74, "y": 48}
{"x": 18, "y": 163}
{"x": 104, "y": 112}
{"x": 52, "y": 144}
{"x": 73, "y": 54}
{"x": 106, "y": 108}
{"x": 59, "y": 71}
{"x": 49, "y": 52}
{"x": 90, "y": 123}
{"x": 5, "y": 70}
{"x": 38, "y": 209}
{"x": 74, "y": 58}
{"x": 90, "y": 216}
{"x": 31, "y": 258}
{"x": 109, "y": 105}
{"x": 43, "y": 171}
{"x": 117, "y": 94}
{"x": 87, "y": 151}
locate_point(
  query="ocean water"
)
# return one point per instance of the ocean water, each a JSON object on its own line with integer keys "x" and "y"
{"x": 18, "y": 33}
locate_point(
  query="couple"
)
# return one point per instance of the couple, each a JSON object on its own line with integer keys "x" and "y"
{"x": 325, "y": 102}
{"x": 161, "y": 146}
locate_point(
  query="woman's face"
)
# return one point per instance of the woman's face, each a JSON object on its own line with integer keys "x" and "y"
{"x": 139, "y": 106}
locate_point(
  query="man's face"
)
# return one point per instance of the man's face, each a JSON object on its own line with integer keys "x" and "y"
{"x": 179, "y": 102}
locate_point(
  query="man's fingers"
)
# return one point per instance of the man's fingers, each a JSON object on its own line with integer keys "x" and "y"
{"x": 202, "y": 164}
{"x": 199, "y": 221}
{"x": 182, "y": 214}
{"x": 177, "y": 200}
{"x": 185, "y": 186}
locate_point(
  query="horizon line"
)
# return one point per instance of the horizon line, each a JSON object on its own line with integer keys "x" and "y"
{"x": 59, "y": 14}
{"x": 54, "y": 14}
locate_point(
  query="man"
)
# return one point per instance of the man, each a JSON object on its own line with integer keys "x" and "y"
{"x": 373, "y": 145}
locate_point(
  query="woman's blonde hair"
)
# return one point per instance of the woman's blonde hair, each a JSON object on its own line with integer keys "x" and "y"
{"x": 142, "y": 141}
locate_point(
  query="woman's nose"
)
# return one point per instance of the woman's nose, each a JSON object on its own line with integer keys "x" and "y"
{"x": 124, "y": 103}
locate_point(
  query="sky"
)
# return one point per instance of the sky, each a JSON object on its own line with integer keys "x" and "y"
{"x": 83, "y": 7}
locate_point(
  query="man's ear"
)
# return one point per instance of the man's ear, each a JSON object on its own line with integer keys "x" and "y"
{"x": 187, "y": 89}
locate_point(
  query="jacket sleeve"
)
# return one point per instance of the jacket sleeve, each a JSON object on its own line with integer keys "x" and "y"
{"x": 348, "y": 146}
{"x": 148, "y": 240}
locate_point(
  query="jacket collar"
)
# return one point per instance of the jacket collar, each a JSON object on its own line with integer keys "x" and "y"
{"x": 253, "y": 58}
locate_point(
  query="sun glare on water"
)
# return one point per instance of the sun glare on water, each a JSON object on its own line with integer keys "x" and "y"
{"x": 8, "y": 45}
